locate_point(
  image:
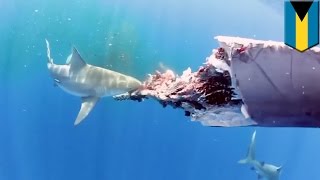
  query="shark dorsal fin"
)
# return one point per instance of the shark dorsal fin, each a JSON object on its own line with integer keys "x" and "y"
{"x": 69, "y": 59}
{"x": 75, "y": 61}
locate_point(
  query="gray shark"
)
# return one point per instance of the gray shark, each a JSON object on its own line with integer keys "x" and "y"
{"x": 264, "y": 171}
{"x": 88, "y": 82}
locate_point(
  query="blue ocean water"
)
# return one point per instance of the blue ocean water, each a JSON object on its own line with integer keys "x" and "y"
{"x": 129, "y": 140}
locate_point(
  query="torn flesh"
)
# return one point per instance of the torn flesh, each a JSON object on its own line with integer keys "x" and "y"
{"x": 206, "y": 95}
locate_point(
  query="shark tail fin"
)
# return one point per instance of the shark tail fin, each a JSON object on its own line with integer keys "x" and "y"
{"x": 251, "y": 155}
{"x": 50, "y": 60}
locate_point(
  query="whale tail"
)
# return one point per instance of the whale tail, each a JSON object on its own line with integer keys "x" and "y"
{"x": 251, "y": 155}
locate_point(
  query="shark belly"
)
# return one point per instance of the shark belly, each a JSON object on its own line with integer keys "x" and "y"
{"x": 76, "y": 89}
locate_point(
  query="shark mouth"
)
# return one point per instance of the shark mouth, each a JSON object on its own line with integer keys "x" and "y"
{"x": 244, "y": 82}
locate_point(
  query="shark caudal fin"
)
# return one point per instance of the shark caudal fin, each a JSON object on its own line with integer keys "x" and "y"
{"x": 251, "y": 155}
{"x": 50, "y": 60}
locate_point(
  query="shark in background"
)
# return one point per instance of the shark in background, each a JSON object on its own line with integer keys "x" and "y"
{"x": 264, "y": 170}
{"x": 89, "y": 82}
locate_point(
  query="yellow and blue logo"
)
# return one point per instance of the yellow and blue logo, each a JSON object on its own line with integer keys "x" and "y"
{"x": 301, "y": 24}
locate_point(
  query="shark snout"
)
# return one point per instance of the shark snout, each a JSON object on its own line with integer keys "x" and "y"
{"x": 134, "y": 84}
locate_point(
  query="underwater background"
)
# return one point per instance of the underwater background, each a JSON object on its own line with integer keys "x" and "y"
{"x": 130, "y": 140}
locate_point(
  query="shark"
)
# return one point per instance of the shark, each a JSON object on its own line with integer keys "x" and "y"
{"x": 88, "y": 82}
{"x": 264, "y": 170}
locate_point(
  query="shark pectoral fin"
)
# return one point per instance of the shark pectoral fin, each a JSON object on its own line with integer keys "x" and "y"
{"x": 87, "y": 105}
{"x": 243, "y": 161}
{"x": 76, "y": 62}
